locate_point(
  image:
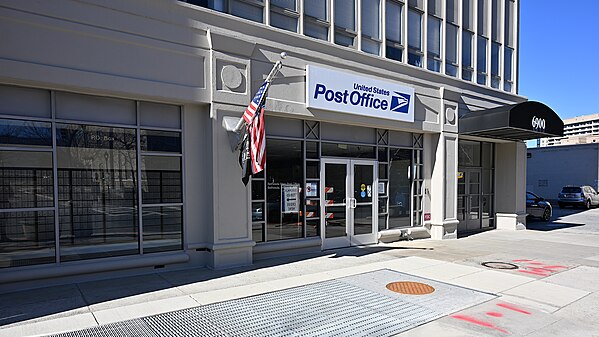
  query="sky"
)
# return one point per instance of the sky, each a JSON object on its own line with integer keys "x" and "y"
{"x": 559, "y": 55}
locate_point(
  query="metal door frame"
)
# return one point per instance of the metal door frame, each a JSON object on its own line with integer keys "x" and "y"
{"x": 467, "y": 202}
{"x": 349, "y": 239}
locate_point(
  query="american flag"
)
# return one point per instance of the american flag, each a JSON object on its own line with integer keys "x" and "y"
{"x": 258, "y": 142}
{"x": 258, "y": 100}
{"x": 255, "y": 142}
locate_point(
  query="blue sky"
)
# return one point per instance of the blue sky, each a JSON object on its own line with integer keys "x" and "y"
{"x": 559, "y": 55}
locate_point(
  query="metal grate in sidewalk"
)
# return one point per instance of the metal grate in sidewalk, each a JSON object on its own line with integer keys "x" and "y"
{"x": 358, "y": 305}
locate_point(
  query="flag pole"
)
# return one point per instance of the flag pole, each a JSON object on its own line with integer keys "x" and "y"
{"x": 275, "y": 69}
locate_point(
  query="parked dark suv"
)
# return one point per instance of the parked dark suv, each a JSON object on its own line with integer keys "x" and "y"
{"x": 538, "y": 207}
{"x": 584, "y": 196}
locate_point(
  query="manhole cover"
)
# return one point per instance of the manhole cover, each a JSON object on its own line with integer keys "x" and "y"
{"x": 410, "y": 288}
{"x": 499, "y": 265}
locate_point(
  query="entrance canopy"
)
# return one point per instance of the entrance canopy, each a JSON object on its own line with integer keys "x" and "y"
{"x": 522, "y": 121}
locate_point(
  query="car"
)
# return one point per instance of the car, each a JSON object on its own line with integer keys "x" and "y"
{"x": 582, "y": 196}
{"x": 538, "y": 207}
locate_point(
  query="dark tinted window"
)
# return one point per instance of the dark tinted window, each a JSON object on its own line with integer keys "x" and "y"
{"x": 571, "y": 189}
{"x": 160, "y": 141}
{"x": 25, "y": 133}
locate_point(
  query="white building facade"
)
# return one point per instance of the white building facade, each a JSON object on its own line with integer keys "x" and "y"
{"x": 114, "y": 158}
{"x": 577, "y": 130}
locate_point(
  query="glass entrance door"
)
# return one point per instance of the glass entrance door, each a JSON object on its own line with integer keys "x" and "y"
{"x": 469, "y": 199}
{"x": 349, "y": 199}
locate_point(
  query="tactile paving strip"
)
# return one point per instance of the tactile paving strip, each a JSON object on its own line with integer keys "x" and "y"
{"x": 358, "y": 305}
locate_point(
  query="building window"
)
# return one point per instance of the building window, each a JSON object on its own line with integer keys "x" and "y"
{"x": 414, "y": 38}
{"x": 371, "y": 39}
{"x": 316, "y": 19}
{"x": 467, "y": 15}
{"x": 483, "y": 17}
{"x": 97, "y": 172}
{"x": 400, "y": 187}
{"x": 452, "y": 10}
{"x": 508, "y": 81}
{"x": 345, "y": 23}
{"x": 247, "y": 9}
{"x": 434, "y": 44}
{"x": 393, "y": 25}
{"x": 509, "y": 23}
{"x": 97, "y": 191}
{"x": 495, "y": 76}
{"x": 467, "y": 50}
{"x": 284, "y": 14}
{"x": 451, "y": 50}
{"x": 284, "y": 175}
{"x": 162, "y": 190}
{"x": 481, "y": 60}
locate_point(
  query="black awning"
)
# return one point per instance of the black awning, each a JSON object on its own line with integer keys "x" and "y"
{"x": 522, "y": 121}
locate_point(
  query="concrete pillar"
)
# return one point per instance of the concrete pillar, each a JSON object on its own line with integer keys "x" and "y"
{"x": 510, "y": 186}
{"x": 232, "y": 236}
{"x": 443, "y": 186}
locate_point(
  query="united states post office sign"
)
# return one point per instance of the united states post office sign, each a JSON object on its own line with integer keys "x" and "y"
{"x": 344, "y": 92}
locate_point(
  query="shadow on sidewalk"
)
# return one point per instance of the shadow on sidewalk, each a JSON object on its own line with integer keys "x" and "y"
{"x": 75, "y": 298}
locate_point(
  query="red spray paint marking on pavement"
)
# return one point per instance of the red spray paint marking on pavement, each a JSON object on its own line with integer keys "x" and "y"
{"x": 536, "y": 263}
{"x": 533, "y": 272}
{"x": 478, "y": 322}
{"x": 554, "y": 267}
{"x": 494, "y": 314}
{"x": 514, "y": 308}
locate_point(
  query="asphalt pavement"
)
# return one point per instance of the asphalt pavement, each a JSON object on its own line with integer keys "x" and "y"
{"x": 546, "y": 286}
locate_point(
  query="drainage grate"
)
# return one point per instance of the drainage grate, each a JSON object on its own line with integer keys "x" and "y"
{"x": 499, "y": 265}
{"x": 410, "y": 288}
{"x": 358, "y": 305}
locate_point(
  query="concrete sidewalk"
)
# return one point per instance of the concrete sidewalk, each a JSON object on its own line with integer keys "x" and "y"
{"x": 554, "y": 292}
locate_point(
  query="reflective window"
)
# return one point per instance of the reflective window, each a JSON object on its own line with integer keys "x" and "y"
{"x": 26, "y": 178}
{"x": 467, "y": 65}
{"x": 393, "y": 22}
{"x": 284, "y": 177}
{"x": 98, "y": 186}
{"x": 495, "y": 78}
{"x": 414, "y": 38}
{"x": 467, "y": 15}
{"x": 161, "y": 180}
{"x": 451, "y": 50}
{"x": 483, "y": 17}
{"x": 316, "y": 19}
{"x": 400, "y": 188}
{"x": 345, "y": 22}
{"x": 247, "y": 10}
{"x": 160, "y": 141}
{"x": 25, "y": 133}
{"x": 370, "y": 26}
{"x": 284, "y": 14}
{"x": 97, "y": 192}
{"x": 26, "y": 238}
{"x": 481, "y": 62}
{"x": 434, "y": 44}
{"x": 452, "y": 9}
{"x": 495, "y": 22}
{"x": 509, "y": 23}
{"x": 348, "y": 150}
{"x": 162, "y": 228}
{"x": 507, "y": 69}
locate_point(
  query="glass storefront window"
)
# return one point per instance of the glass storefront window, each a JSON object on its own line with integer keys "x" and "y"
{"x": 97, "y": 179}
{"x": 25, "y": 133}
{"x": 99, "y": 188}
{"x": 284, "y": 178}
{"x": 348, "y": 150}
{"x": 399, "y": 188}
